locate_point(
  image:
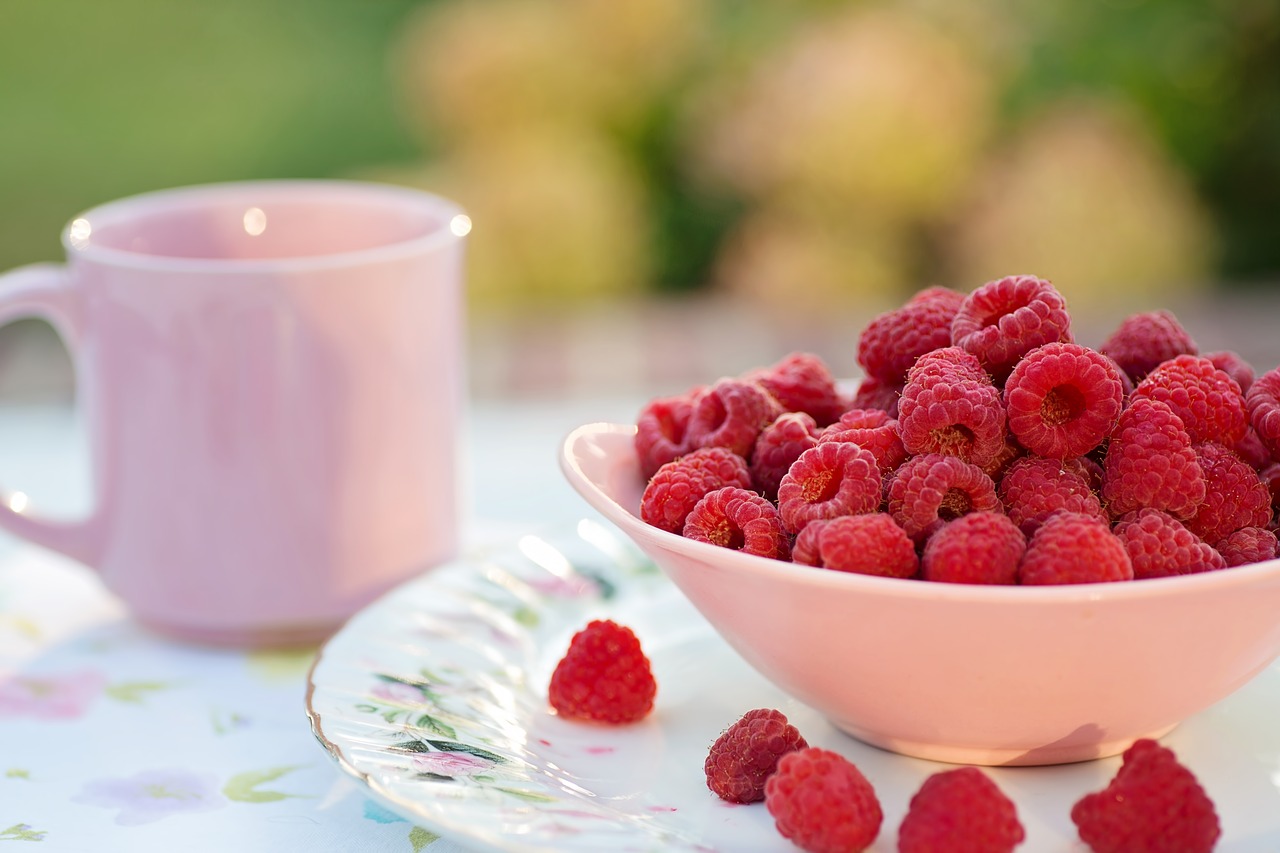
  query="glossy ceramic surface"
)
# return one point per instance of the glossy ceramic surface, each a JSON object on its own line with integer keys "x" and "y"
{"x": 269, "y": 375}
{"x": 434, "y": 700}
{"x": 957, "y": 673}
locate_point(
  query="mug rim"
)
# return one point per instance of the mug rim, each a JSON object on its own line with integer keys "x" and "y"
{"x": 129, "y": 207}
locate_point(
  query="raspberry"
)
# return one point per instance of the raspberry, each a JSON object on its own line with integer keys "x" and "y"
{"x": 1088, "y": 468}
{"x": 662, "y": 430}
{"x": 1035, "y": 487}
{"x": 1235, "y": 495}
{"x": 1143, "y": 341}
{"x": 892, "y": 341}
{"x": 747, "y": 754}
{"x": 1207, "y": 400}
{"x": 1074, "y": 548}
{"x": 872, "y": 429}
{"x": 827, "y": 480}
{"x": 1271, "y": 478}
{"x": 740, "y": 520}
{"x": 678, "y": 485}
{"x": 874, "y": 394}
{"x": 1160, "y": 546}
{"x": 822, "y": 802}
{"x": 731, "y": 414}
{"x": 1150, "y": 462}
{"x": 801, "y": 382}
{"x": 949, "y": 406}
{"x": 1152, "y": 805}
{"x": 960, "y": 811}
{"x": 981, "y": 547}
{"x": 929, "y": 490}
{"x": 604, "y": 676}
{"x": 870, "y": 544}
{"x": 1263, "y": 405}
{"x": 778, "y": 445}
{"x": 1248, "y": 545}
{"x": 1012, "y": 452}
{"x": 1004, "y": 319}
{"x": 1234, "y": 366}
{"x": 1063, "y": 400}
{"x": 1252, "y": 450}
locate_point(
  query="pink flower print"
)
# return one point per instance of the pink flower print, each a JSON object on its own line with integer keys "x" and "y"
{"x": 398, "y": 693}
{"x": 154, "y": 794}
{"x": 63, "y": 696}
{"x": 451, "y": 764}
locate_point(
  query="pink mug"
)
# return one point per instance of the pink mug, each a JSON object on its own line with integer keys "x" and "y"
{"x": 270, "y": 375}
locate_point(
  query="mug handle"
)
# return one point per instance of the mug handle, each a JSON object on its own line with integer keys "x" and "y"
{"x": 44, "y": 291}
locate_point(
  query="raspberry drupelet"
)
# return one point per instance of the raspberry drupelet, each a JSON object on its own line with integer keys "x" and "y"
{"x": 1035, "y": 487}
{"x": 604, "y": 676}
{"x": 739, "y": 520}
{"x": 1161, "y": 546}
{"x": 892, "y": 341}
{"x": 960, "y": 811}
{"x": 731, "y": 414}
{"x": 1063, "y": 400}
{"x": 1144, "y": 340}
{"x": 949, "y": 406}
{"x": 827, "y": 480}
{"x": 747, "y": 753}
{"x": 822, "y": 802}
{"x": 929, "y": 490}
{"x": 1004, "y": 319}
{"x": 678, "y": 485}
{"x": 1208, "y": 401}
{"x": 1150, "y": 462}
{"x": 978, "y": 548}
{"x": 1073, "y": 548}
{"x": 777, "y": 447}
{"x": 870, "y": 544}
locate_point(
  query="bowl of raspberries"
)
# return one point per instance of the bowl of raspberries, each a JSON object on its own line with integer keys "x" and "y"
{"x": 999, "y": 546}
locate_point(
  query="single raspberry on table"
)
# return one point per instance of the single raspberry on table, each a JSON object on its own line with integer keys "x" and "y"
{"x": 1144, "y": 340}
{"x": 827, "y": 480}
{"x": 960, "y": 811}
{"x": 892, "y": 341}
{"x": 662, "y": 430}
{"x": 978, "y": 548}
{"x": 802, "y": 382}
{"x": 1005, "y": 319}
{"x": 1234, "y": 365}
{"x": 777, "y": 447}
{"x": 1150, "y": 462}
{"x": 1208, "y": 401}
{"x": 874, "y": 394}
{"x": 1161, "y": 546}
{"x": 1072, "y": 548}
{"x": 731, "y": 414}
{"x": 869, "y": 544}
{"x": 1248, "y": 545}
{"x": 872, "y": 429}
{"x": 1153, "y": 805}
{"x": 747, "y": 753}
{"x": 1063, "y": 400}
{"x": 1263, "y": 404}
{"x": 822, "y": 802}
{"x": 949, "y": 406}
{"x": 604, "y": 676}
{"x": 1035, "y": 487}
{"x": 739, "y": 520}
{"x": 676, "y": 487}
{"x": 931, "y": 489}
{"x": 1235, "y": 495}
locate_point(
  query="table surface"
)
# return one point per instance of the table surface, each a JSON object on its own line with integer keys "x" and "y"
{"x": 112, "y": 738}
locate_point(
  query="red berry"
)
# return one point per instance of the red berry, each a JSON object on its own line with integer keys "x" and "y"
{"x": 929, "y": 490}
{"x": 747, "y": 754}
{"x": 1235, "y": 495}
{"x": 604, "y": 676}
{"x": 960, "y": 811}
{"x": 1247, "y": 545}
{"x": 827, "y": 480}
{"x": 1063, "y": 400}
{"x": 949, "y": 406}
{"x": 802, "y": 382}
{"x": 662, "y": 430}
{"x": 740, "y": 520}
{"x": 1263, "y": 405}
{"x": 731, "y": 414}
{"x": 873, "y": 429}
{"x": 870, "y": 544}
{"x": 777, "y": 447}
{"x": 1004, "y": 319}
{"x": 1143, "y": 341}
{"x": 676, "y": 488}
{"x": 1159, "y": 545}
{"x": 875, "y": 394}
{"x": 1150, "y": 462}
{"x": 1234, "y": 366}
{"x": 1153, "y": 805}
{"x": 1208, "y": 401}
{"x": 1035, "y": 487}
{"x": 891, "y": 342}
{"x": 978, "y": 548}
{"x": 1074, "y": 548}
{"x": 823, "y": 803}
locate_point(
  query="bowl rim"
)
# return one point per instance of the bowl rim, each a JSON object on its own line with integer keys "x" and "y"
{"x": 589, "y": 435}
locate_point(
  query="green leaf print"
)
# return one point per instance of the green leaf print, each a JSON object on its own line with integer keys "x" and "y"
{"x": 420, "y": 838}
{"x": 22, "y": 832}
{"x": 133, "y": 692}
{"x": 440, "y": 727}
{"x": 17, "y": 773}
{"x": 527, "y": 796}
{"x": 242, "y": 788}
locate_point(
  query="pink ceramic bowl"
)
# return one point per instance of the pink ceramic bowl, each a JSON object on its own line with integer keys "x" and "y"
{"x": 966, "y": 674}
